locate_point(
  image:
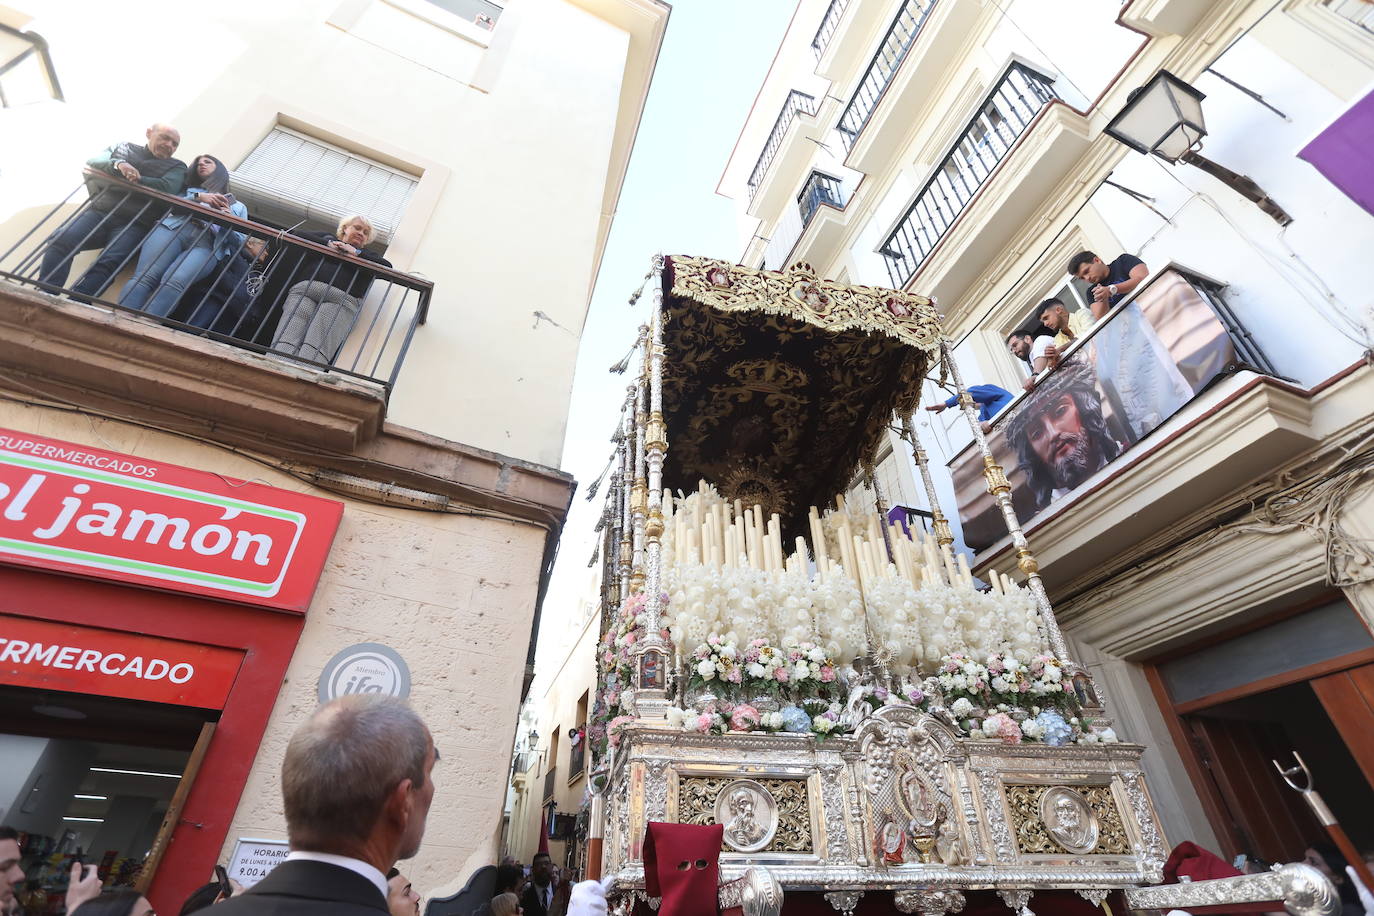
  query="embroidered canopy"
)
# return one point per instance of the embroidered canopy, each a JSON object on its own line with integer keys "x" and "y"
{"x": 778, "y": 386}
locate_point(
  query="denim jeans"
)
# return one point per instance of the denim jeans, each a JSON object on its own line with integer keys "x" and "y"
{"x": 117, "y": 234}
{"x": 171, "y": 260}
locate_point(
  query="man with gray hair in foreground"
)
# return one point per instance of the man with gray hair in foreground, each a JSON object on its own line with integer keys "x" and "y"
{"x": 357, "y": 785}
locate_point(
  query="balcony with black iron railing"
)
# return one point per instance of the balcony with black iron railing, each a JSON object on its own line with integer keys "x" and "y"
{"x": 550, "y": 783}
{"x": 1000, "y": 121}
{"x": 256, "y": 292}
{"x": 896, "y": 44}
{"x": 1157, "y": 407}
{"x": 819, "y": 189}
{"x": 796, "y": 103}
{"x": 829, "y": 23}
{"x": 577, "y": 758}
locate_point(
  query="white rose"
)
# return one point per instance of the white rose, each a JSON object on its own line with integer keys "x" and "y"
{"x": 728, "y": 652}
{"x": 961, "y": 707}
{"x": 674, "y": 717}
{"x": 801, "y": 672}
{"x": 816, "y": 655}
{"x": 1000, "y": 684}
{"x": 706, "y": 668}
{"x": 1052, "y": 673}
{"x": 757, "y": 670}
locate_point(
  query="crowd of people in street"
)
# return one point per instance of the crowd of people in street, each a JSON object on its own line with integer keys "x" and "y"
{"x": 208, "y": 274}
{"x": 357, "y": 783}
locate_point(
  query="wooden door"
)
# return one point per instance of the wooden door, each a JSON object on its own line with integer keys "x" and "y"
{"x": 1269, "y": 819}
{"x": 1348, "y": 697}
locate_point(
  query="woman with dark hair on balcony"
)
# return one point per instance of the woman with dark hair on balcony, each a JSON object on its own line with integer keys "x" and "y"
{"x": 181, "y": 249}
{"x": 320, "y": 308}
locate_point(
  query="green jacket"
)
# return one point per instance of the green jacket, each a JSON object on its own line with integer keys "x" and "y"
{"x": 165, "y": 175}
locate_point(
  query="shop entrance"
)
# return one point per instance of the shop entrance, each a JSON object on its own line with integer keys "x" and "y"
{"x": 1303, "y": 683}
{"x": 95, "y": 778}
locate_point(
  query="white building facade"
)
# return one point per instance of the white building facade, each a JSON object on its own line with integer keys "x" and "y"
{"x": 488, "y": 147}
{"x": 1211, "y": 571}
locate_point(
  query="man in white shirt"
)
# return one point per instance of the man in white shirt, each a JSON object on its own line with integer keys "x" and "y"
{"x": 357, "y": 782}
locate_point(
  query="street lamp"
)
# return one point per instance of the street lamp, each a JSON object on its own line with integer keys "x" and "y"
{"x": 26, "y": 70}
{"x": 1164, "y": 118}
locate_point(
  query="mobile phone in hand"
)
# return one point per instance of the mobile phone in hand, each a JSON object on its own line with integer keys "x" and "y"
{"x": 225, "y": 888}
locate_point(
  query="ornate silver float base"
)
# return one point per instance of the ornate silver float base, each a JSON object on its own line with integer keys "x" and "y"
{"x": 903, "y": 805}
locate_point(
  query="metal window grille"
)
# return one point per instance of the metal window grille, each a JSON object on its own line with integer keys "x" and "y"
{"x": 829, "y": 23}
{"x": 901, "y": 35}
{"x": 1006, "y": 113}
{"x": 796, "y": 102}
{"x": 482, "y": 12}
{"x": 819, "y": 189}
{"x": 290, "y": 177}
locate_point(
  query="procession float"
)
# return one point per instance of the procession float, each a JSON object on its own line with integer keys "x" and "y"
{"x": 865, "y": 726}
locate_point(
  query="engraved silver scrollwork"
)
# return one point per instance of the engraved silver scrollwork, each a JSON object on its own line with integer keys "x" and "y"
{"x": 1303, "y": 890}
{"x": 656, "y": 790}
{"x": 832, "y": 798}
{"x": 844, "y": 901}
{"x": 989, "y": 786}
{"x": 929, "y": 902}
{"x": 1018, "y": 901}
{"x": 757, "y": 892}
{"x": 1094, "y": 895}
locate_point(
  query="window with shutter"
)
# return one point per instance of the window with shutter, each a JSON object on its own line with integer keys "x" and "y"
{"x": 292, "y": 178}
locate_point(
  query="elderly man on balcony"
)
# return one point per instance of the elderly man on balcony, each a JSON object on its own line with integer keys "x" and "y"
{"x": 116, "y": 220}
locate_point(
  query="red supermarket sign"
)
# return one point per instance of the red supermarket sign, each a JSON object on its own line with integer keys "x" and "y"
{"x": 112, "y": 516}
{"x": 55, "y": 656}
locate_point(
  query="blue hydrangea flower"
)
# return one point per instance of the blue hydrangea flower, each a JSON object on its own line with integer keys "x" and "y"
{"x": 1057, "y": 732}
{"x": 795, "y": 719}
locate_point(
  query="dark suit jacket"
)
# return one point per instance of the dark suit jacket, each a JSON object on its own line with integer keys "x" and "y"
{"x": 307, "y": 888}
{"x": 531, "y": 901}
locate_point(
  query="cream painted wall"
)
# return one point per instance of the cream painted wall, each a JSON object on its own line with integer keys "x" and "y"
{"x": 1302, "y": 58}
{"x": 453, "y": 594}
{"x": 513, "y": 173}
{"x": 567, "y": 670}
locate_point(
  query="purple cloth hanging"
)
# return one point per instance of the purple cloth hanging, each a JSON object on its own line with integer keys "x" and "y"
{"x": 1343, "y": 154}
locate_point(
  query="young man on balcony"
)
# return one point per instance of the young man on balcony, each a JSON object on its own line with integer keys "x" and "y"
{"x": 116, "y": 220}
{"x": 1110, "y": 283}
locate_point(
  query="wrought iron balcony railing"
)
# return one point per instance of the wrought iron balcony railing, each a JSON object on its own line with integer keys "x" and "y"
{"x": 577, "y": 757}
{"x": 901, "y": 35}
{"x": 259, "y": 288}
{"x": 819, "y": 189}
{"x": 796, "y": 103}
{"x": 1001, "y": 119}
{"x": 829, "y": 23}
{"x": 550, "y": 783}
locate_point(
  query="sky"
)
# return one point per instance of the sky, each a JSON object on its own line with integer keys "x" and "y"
{"x": 714, "y": 58}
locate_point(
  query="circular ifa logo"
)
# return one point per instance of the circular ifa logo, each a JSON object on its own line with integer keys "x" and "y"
{"x": 368, "y": 667}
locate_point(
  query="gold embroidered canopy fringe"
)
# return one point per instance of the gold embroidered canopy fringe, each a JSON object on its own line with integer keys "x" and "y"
{"x": 778, "y": 386}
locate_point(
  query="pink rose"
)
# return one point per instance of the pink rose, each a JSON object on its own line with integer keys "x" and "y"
{"x": 744, "y": 718}
{"x": 629, "y": 639}
{"x": 780, "y": 675}
{"x": 827, "y": 674}
{"x": 703, "y": 723}
{"x": 734, "y": 676}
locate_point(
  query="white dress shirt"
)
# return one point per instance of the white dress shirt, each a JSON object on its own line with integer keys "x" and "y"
{"x": 357, "y": 866}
